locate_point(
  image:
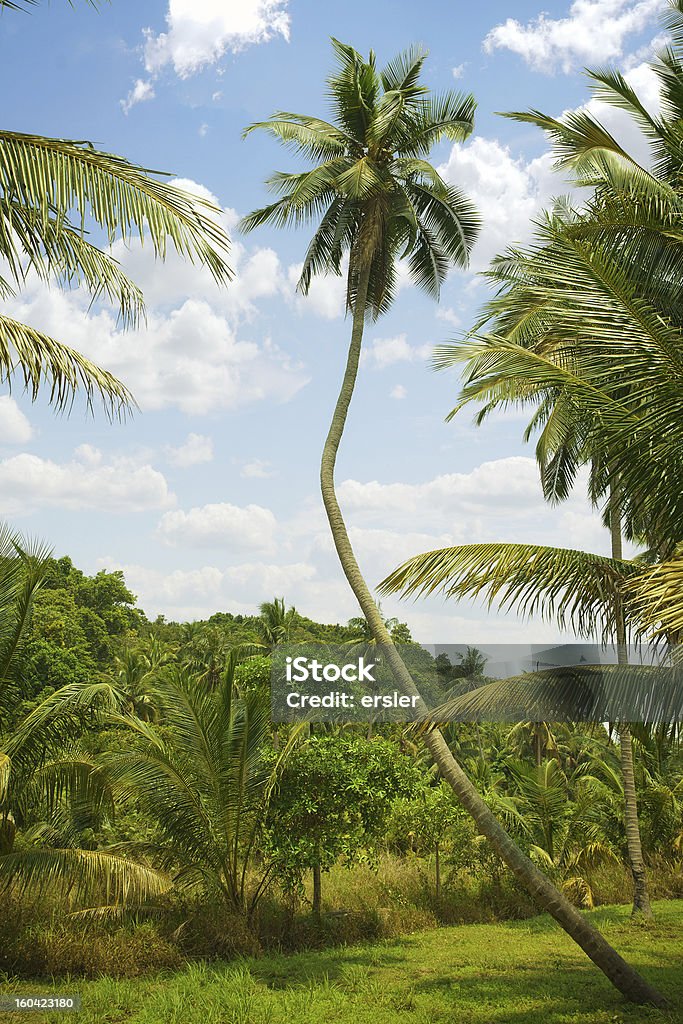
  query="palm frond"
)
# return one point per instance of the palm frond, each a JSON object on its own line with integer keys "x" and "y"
{"x": 91, "y": 873}
{"x": 310, "y": 136}
{"x": 53, "y": 249}
{"x": 38, "y": 359}
{"x": 46, "y": 175}
{"x": 21, "y": 5}
{"x": 573, "y": 588}
{"x": 577, "y": 693}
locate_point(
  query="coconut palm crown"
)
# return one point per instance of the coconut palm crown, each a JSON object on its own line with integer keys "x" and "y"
{"x": 375, "y": 195}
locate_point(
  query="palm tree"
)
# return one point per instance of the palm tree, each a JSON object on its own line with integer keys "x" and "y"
{"x": 557, "y": 817}
{"x": 51, "y": 190}
{"x": 614, "y": 269}
{"x": 378, "y": 199}
{"x": 135, "y": 672}
{"x": 205, "y": 780}
{"x": 276, "y": 622}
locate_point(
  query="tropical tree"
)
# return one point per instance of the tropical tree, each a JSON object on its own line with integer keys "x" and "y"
{"x": 135, "y": 671}
{"x": 47, "y": 782}
{"x": 276, "y": 622}
{"x": 331, "y": 802}
{"x": 204, "y": 780}
{"x": 611, "y": 271}
{"x": 378, "y": 199}
{"x": 560, "y": 820}
{"x": 51, "y": 191}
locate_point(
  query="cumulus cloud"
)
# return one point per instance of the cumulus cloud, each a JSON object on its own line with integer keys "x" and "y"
{"x": 220, "y": 525}
{"x": 326, "y": 296}
{"x": 257, "y": 469}
{"x": 497, "y": 500}
{"x": 398, "y": 392}
{"x": 14, "y": 425}
{"x": 200, "y": 32}
{"x": 142, "y": 91}
{"x": 448, "y": 315}
{"x": 383, "y": 352}
{"x": 196, "y": 449}
{"x": 508, "y": 191}
{"x": 510, "y": 483}
{"x": 188, "y": 594}
{"x": 87, "y": 481}
{"x": 593, "y": 32}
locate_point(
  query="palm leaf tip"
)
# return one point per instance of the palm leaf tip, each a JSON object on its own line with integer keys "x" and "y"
{"x": 39, "y": 359}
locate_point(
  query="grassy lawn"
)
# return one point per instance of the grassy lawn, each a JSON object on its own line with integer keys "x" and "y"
{"x": 514, "y": 973}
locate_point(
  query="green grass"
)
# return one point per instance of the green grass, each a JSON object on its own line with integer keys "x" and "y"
{"x": 513, "y": 973}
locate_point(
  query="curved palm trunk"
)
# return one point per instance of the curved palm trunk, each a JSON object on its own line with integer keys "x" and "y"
{"x": 548, "y": 898}
{"x": 641, "y": 898}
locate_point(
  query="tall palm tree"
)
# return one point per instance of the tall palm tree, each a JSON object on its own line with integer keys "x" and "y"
{"x": 378, "y": 199}
{"x": 51, "y": 192}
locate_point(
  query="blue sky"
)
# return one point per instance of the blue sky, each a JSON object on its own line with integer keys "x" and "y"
{"x": 207, "y": 498}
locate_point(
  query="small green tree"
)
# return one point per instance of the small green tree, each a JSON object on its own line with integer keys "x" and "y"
{"x": 424, "y": 825}
{"x": 332, "y": 802}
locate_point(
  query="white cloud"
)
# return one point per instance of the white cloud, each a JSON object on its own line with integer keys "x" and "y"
{"x": 187, "y": 594}
{"x": 140, "y": 93}
{"x": 459, "y": 70}
{"x": 510, "y": 484}
{"x": 326, "y": 296}
{"x": 181, "y": 595}
{"x": 257, "y": 469}
{"x": 200, "y": 32}
{"x": 383, "y": 352}
{"x": 220, "y": 525}
{"x": 507, "y": 191}
{"x": 202, "y": 130}
{"x": 88, "y": 481}
{"x": 14, "y": 425}
{"x": 448, "y": 315}
{"x": 263, "y": 578}
{"x": 497, "y": 500}
{"x": 196, "y": 449}
{"x": 593, "y": 32}
{"x": 398, "y": 392}
{"x": 510, "y": 192}
{"x": 190, "y": 358}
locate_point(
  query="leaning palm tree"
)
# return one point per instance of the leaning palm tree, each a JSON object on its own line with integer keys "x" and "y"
{"x": 379, "y": 200}
{"x": 51, "y": 191}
